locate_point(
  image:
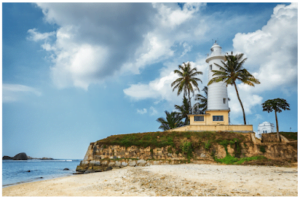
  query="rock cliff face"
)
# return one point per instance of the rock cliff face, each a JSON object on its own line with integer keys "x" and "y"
{"x": 101, "y": 154}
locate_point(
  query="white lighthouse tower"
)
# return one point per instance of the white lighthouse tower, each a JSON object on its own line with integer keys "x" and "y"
{"x": 217, "y": 98}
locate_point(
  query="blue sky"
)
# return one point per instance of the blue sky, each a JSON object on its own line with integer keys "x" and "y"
{"x": 77, "y": 73}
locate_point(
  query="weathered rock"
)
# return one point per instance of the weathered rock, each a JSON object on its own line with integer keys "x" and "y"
{"x": 20, "y": 156}
{"x": 97, "y": 168}
{"x": 7, "y": 158}
{"x": 95, "y": 162}
{"x": 141, "y": 162}
{"x": 117, "y": 164}
{"x": 148, "y": 164}
{"x": 108, "y": 168}
{"x": 132, "y": 163}
{"x": 89, "y": 171}
{"x": 104, "y": 163}
{"x": 124, "y": 164}
{"x": 66, "y": 169}
{"x": 81, "y": 168}
{"x": 202, "y": 155}
{"x": 111, "y": 164}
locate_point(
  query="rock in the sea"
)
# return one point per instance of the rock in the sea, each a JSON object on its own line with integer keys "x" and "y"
{"x": 20, "y": 156}
{"x": 66, "y": 169}
{"x": 7, "y": 158}
{"x": 28, "y": 171}
{"x": 141, "y": 162}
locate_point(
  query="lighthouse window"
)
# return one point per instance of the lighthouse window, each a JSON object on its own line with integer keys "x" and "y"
{"x": 224, "y": 100}
{"x": 198, "y": 118}
{"x": 210, "y": 67}
{"x": 218, "y": 118}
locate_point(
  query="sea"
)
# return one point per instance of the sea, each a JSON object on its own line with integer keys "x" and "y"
{"x": 16, "y": 171}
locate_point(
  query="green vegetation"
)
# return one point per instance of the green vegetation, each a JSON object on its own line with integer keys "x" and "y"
{"x": 276, "y": 105}
{"x": 207, "y": 145}
{"x": 170, "y": 150}
{"x": 187, "y": 149}
{"x": 173, "y": 139}
{"x": 173, "y": 120}
{"x": 232, "y": 71}
{"x": 232, "y": 160}
{"x": 290, "y": 135}
{"x": 262, "y": 149}
{"x": 201, "y": 106}
{"x": 187, "y": 81}
{"x": 184, "y": 110}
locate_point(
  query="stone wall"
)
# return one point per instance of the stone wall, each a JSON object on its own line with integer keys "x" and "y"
{"x": 102, "y": 157}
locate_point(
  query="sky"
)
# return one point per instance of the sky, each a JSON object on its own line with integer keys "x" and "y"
{"x": 76, "y": 73}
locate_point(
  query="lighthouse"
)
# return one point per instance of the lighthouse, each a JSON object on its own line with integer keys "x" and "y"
{"x": 216, "y": 117}
{"x": 217, "y": 97}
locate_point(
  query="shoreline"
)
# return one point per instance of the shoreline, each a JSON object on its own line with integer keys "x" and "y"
{"x": 168, "y": 180}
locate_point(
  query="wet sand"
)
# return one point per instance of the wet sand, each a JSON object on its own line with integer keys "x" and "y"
{"x": 169, "y": 180}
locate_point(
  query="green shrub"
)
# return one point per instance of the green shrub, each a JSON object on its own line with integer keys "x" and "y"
{"x": 151, "y": 151}
{"x": 104, "y": 146}
{"x": 170, "y": 150}
{"x": 233, "y": 160}
{"x": 262, "y": 149}
{"x": 207, "y": 145}
{"x": 188, "y": 150}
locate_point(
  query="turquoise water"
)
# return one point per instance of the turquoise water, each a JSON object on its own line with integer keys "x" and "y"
{"x": 16, "y": 171}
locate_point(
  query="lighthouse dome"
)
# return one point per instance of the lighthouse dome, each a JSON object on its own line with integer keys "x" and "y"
{"x": 216, "y": 50}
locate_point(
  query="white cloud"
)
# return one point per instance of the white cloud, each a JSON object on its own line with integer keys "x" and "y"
{"x": 272, "y": 51}
{"x": 160, "y": 88}
{"x": 36, "y": 36}
{"x": 153, "y": 111}
{"x": 271, "y": 57}
{"x": 118, "y": 41}
{"x": 141, "y": 111}
{"x": 13, "y": 92}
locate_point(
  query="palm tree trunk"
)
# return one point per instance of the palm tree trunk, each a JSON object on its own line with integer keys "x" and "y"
{"x": 277, "y": 128}
{"x": 237, "y": 93}
{"x": 190, "y": 108}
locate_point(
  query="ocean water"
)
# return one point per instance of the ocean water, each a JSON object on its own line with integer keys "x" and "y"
{"x": 16, "y": 171}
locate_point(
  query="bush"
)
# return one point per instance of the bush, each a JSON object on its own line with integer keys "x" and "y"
{"x": 232, "y": 160}
{"x": 207, "y": 145}
{"x": 262, "y": 149}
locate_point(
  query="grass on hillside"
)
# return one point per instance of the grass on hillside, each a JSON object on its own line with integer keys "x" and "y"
{"x": 233, "y": 160}
{"x": 173, "y": 139}
{"x": 290, "y": 135}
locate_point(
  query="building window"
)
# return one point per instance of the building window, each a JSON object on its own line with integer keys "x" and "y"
{"x": 218, "y": 118}
{"x": 198, "y": 118}
{"x": 224, "y": 100}
{"x": 210, "y": 67}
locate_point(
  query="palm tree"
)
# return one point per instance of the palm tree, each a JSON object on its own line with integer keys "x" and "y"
{"x": 202, "y": 106}
{"x": 187, "y": 81}
{"x": 276, "y": 105}
{"x": 184, "y": 110}
{"x": 231, "y": 71}
{"x": 173, "y": 120}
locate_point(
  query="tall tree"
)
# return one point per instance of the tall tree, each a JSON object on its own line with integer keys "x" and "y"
{"x": 184, "y": 110}
{"x": 187, "y": 81}
{"x": 201, "y": 106}
{"x": 231, "y": 71}
{"x": 276, "y": 105}
{"x": 172, "y": 120}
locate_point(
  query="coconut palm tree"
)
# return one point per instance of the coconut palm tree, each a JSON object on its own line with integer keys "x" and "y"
{"x": 276, "y": 105}
{"x": 184, "y": 110}
{"x": 231, "y": 71}
{"x": 187, "y": 81}
{"x": 202, "y": 106}
{"x": 172, "y": 120}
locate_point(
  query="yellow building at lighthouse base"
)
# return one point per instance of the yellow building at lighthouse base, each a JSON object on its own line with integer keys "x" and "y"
{"x": 213, "y": 120}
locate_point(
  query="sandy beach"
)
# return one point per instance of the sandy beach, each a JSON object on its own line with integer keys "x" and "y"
{"x": 169, "y": 180}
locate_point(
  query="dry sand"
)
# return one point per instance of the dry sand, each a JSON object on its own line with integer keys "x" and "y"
{"x": 169, "y": 180}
